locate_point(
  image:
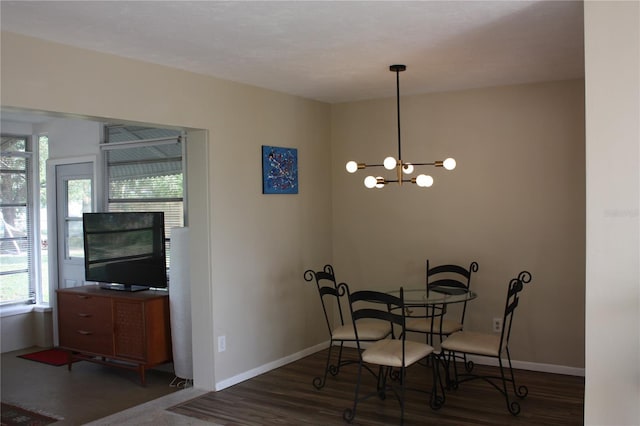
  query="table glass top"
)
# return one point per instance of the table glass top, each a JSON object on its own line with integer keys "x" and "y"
{"x": 418, "y": 296}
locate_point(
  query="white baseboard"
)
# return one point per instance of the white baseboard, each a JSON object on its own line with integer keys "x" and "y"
{"x": 480, "y": 360}
{"x": 269, "y": 366}
{"x": 531, "y": 366}
{"x": 522, "y": 365}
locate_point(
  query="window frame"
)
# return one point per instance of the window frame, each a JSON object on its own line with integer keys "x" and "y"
{"x": 107, "y": 201}
{"x": 32, "y": 220}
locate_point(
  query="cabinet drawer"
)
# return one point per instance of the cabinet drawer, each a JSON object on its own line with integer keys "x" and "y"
{"x": 85, "y": 323}
{"x": 68, "y": 302}
{"x": 88, "y": 323}
{"x": 82, "y": 340}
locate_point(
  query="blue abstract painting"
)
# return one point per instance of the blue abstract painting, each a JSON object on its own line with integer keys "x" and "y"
{"x": 279, "y": 170}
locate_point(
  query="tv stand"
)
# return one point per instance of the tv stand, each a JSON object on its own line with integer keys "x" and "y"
{"x": 121, "y": 329}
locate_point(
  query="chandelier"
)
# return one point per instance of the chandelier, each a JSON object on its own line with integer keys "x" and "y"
{"x": 390, "y": 163}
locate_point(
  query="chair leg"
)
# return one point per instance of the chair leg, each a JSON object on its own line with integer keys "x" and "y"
{"x": 451, "y": 360}
{"x": 520, "y": 391}
{"x": 468, "y": 365}
{"x": 381, "y": 384}
{"x": 350, "y": 413}
{"x": 437, "y": 393}
{"x": 512, "y": 406}
{"x": 335, "y": 369}
{"x": 498, "y": 382}
{"x": 402, "y": 392}
{"x": 319, "y": 382}
{"x": 452, "y": 383}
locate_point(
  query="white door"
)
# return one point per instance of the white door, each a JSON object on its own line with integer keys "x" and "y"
{"x": 74, "y": 196}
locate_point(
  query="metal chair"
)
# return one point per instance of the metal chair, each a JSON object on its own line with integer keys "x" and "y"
{"x": 447, "y": 278}
{"x": 491, "y": 345}
{"x": 393, "y": 355}
{"x": 340, "y": 331}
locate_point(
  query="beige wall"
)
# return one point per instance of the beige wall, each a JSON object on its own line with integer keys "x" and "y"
{"x": 255, "y": 247}
{"x": 612, "y": 57}
{"x": 515, "y": 201}
{"x": 17, "y": 331}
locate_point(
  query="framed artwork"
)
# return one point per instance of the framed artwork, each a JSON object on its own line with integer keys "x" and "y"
{"x": 279, "y": 170}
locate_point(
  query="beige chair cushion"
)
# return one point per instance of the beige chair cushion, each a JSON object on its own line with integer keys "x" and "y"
{"x": 389, "y": 352}
{"x": 473, "y": 342}
{"x": 368, "y": 329}
{"x": 423, "y": 325}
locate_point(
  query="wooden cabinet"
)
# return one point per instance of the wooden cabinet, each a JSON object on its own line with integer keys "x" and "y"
{"x": 126, "y": 330}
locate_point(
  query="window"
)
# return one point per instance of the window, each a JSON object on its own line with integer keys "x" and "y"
{"x": 16, "y": 221}
{"x": 43, "y": 156}
{"x": 144, "y": 173}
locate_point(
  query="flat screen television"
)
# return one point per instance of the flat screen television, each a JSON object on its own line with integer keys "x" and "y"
{"x": 125, "y": 251}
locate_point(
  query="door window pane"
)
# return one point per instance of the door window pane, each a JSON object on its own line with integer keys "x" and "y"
{"x": 78, "y": 202}
{"x": 78, "y": 197}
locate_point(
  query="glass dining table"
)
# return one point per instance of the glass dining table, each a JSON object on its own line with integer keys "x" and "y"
{"x": 425, "y": 312}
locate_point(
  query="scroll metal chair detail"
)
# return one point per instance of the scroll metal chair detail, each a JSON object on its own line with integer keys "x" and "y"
{"x": 494, "y": 346}
{"x": 448, "y": 279}
{"x": 340, "y": 329}
{"x": 391, "y": 356}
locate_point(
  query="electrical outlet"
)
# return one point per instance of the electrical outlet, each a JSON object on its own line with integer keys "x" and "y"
{"x": 497, "y": 325}
{"x": 222, "y": 344}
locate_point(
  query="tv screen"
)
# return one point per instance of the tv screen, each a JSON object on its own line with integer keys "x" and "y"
{"x": 125, "y": 251}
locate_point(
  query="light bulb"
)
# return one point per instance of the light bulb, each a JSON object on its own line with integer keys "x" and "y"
{"x": 352, "y": 167}
{"x": 407, "y": 168}
{"x": 449, "y": 164}
{"x": 424, "y": 181}
{"x": 390, "y": 163}
{"x": 379, "y": 181}
{"x": 370, "y": 182}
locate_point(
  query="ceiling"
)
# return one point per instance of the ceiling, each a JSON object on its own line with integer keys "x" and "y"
{"x": 330, "y": 51}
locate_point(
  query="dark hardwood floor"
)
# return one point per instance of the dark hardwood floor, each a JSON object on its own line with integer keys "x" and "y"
{"x": 285, "y": 396}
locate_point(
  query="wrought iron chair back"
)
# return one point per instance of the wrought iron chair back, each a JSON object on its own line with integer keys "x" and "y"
{"x": 392, "y": 356}
{"x": 493, "y": 346}
{"x": 328, "y": 290}
{"x": 367, "y": 304}
{"x": 340, "y": 331}
{"x": 516, "y": 285}
{"x": 450, "y": 278}
{"x": 327, "y": 286}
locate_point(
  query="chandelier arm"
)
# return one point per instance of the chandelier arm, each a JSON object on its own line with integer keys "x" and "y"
{"x": 433, "y": 163}
{"x": 366, "y": 166}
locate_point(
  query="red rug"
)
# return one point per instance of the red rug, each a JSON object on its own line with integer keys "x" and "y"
{"x": 53, "y": 356}
{"x": 14, "y": 416}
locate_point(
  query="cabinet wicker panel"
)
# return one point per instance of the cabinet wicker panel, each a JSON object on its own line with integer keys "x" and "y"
{"x": 129, "y": 326}
{"x": 104, "y": 326}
